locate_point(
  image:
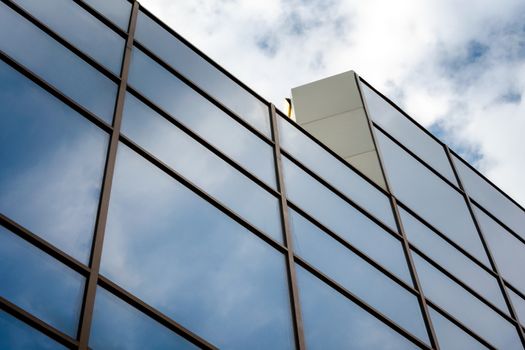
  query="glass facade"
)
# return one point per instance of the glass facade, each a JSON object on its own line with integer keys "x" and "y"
{"x": 148, "y": 199}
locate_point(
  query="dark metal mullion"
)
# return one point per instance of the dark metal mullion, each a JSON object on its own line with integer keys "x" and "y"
{"x": 43, "y": 245}
{"x": 153, "y": 313}
{"x": 488, "y": 252}
{"x": 98, "y": 237}
{"x": 514, "y": 289}
{"x": 290, "y": 264}
{"x": 353, "y": 249}
{"x": 360, "y": 302}
{"x": 57, "y": 37}
{"x": 173, "y": 120}
{"x": 203, "y": 93}
{"x": 37, "y": 323}
{"x": 201, "y": 193}
{"x": 86, "y": 7}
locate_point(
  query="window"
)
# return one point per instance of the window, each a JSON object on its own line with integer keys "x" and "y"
{"x": 118, "y": 11}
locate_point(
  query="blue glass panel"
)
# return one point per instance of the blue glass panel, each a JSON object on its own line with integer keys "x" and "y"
{"x": 117, "y": 325}
{"x": 465, "y": 307}
{"x": 489, "y": 197}
{"x": 506, "y": 249}
{"x": 450, "y": 336}
{"x": 430, "y": 197}
{"x": 184, "y": 257}
{"x": 39, "y": 284}
{"x": 357, "y": 276}
{"x": 202, "y": 73}
{"x": 344, "y": 220}
{"x": 202, "y": 167}
{"x": 408, "y": 133}
{"x": 16, "y": 335}
{"x": 336, "y": 173}
{"x": 202, "y": 117}
{"x": 80, "y": 28}
{"x": 52, "y": 161}
{"x": 332, "y": 321}
{"x": 118, "y": 11}
{"x": 57, "y": 65}
{"x": 453, "y": 260}
{"x": 519, "y": 305}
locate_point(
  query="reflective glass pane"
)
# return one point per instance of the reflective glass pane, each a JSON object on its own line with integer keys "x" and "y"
{"x": 452, "y": 260}
{"x": 465, "y": 307}
{"x": 16, "y": 335}
{"x": 486, "y": 195}
{"x": 202, "y": 117}
{"x": 202, "y": 73}
{"x": 118, "y": 11}
{"x": 430, "y": 197}
{"x": 331, "y": 321}
{"x": 506, "y": 249}
{"x": 79, "y": 28}
{"x": 519, "y": 305}
{"x": 407, "y": 132}
{"x": 335, "y": 172}
{"x": 52, "y": 161}
{"x": 450, "y": 336}
{"x": 202, "y": 167}
{"x": 56, "y": 64}
{"x": 117, "y": 325}
{"x": 184, "y": 257}
{"x": 39, "y": 284}
{"x": 344, "y": 220}
{"x": 357, "y": 276}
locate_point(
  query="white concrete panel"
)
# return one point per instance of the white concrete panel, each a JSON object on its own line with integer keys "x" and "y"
{"x": 368, "y": 164}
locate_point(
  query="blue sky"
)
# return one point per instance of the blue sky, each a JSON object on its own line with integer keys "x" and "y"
{"x": 456, "y": 67}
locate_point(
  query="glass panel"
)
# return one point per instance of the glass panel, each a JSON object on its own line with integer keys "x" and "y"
{"x": 16, "y": 335}
{"x": 332, "y": 321}
{"x": 486, "y": 195}
{"x": 450, "y": 336}
{"x": 344, "y": 220}
{"x": 506, "y": 249}
{"x": 55, "y": 64}
{"x": 177, "y": 149}
{"x": 39, "y": 284}
{"x": 465, "y": 307}
{"x": 335, "y": 172}
{"x": 52, "y": 162}
{"x": 408, "y": 133}
{"x": 202, "y": 73}
{"x": 519, "y": 305}
{"x": 118, "y": 11}
{"x": 117, "y": 325}
{"x": 202, "y": 117}
{"x": 453, "y": 260}
{"x": 432, "y": 198}
{"x": 357, "y": 276}
{"x": 184, "y": 257}
{"x": 79, "y": 28}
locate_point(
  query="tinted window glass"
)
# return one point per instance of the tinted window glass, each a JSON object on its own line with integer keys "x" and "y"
{"x": 519, "y": 305}
{"x": 186, "y": 258}
{"x": 15, "y": 334}
{"x": 452, "y": 260}
{"x": 408, "y": 133}
{"x": 55, "y": 64}
{"x": 431, "y": 198}
{"x": 335, "y": 172}
{"x": 332, "y": 321}
{"x": 202, "y": 73}
{"x": 117, "y": 325}
{"x": 202, "y": 167}
{"x": 80, "y": 28}
{"x": 39, "y": 284}
{"x": 465, "y": 307}
{"x": 357, "y": 276}
{"x": 118, "y": 11}
{"x": 201, "y": 116}
{"x": 52, "y": 162}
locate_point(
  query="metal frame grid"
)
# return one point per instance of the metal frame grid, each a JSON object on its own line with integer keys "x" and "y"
{"x": 91, "y": 272}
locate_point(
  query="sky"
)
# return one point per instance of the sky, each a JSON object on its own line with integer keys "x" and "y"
{"x": 457, "y": 67}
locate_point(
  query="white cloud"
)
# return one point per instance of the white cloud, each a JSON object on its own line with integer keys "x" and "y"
{"x": 461, "y": 64}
